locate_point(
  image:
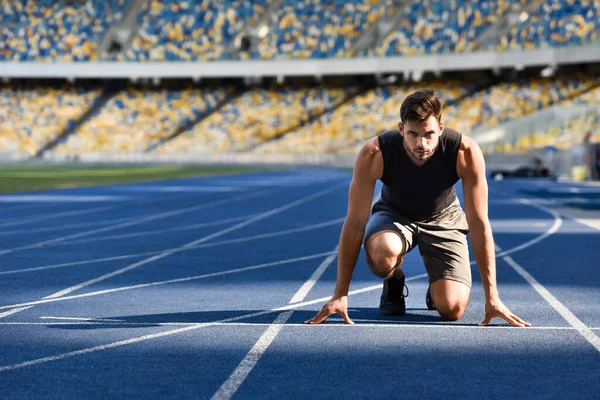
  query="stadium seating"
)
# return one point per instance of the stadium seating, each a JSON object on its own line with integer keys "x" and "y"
{"x": 319, "y": 29}
{"x": 345, "y": 129}
{"x": 137, "y": 118}
{"x": 43, "y": 30}
{"x": 441, "y": 26}
{"x": 514, "y": 100}
{"x": 555, "y": 23}
{"x": 172, "y": 30}
{"x": 566, "y": 134}
{"x": 32, "y": 115}
{"x": 365, "y": 116}
{"x": 256, "y": 116}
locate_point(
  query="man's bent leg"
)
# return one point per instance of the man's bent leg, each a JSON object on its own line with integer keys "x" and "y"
{"x": 385, "y": 252}
{"x": 450, "y": 298}
{"x": 443, "y": 246}
{"x": 386, "y": 242}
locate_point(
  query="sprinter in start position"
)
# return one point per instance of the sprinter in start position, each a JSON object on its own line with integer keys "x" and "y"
{"x": 419, "y": 164}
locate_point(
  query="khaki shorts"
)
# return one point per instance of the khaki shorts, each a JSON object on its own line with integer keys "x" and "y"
{"x": 442, "y": 239}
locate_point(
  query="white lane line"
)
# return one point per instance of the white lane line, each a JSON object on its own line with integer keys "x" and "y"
{"x": 70, "y": 264}
{"x": 18, "y": 208}
{"x": 331, "y": 323}
{"x": 158, "y": 231}
{"x": 84, "y": 319}
{"x": 590, "y": 222}
{"x": 67, "y": 226}
{"x": 185, "y": 329}
{"x": 239, "y": 375}
{"x": 200, "y": 246}
{"x": 222, "y": 232}
{"x": 170, "y": 281}
{"x": 143, "y": 285}
{"x": 13, "y": 311}
{"x": 551, "y": 231}
{"x": 137, "y": 221}
{"x": 575, "y": 322}
{"x": 308, "y": 285}
{"x": 23, "y": 221}
{"x": 557, "y": 305}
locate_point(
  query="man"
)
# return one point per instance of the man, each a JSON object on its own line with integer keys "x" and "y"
{"x": 419, "y": 165}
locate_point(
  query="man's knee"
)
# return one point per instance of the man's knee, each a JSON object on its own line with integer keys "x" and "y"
{"x": 451, "y": 311}
{"x": 384, "y": 267}
{"x": 385, "y": 251}
{"x": 450, "y": 298}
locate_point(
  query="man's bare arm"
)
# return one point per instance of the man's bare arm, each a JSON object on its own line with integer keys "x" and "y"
{"x": 471, "y": 168}
{"x": 367, "y": 169}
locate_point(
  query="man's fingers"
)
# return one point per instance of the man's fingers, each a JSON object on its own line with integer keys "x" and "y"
{"x": 346, "y": 317}
{"x": 521, "y": 321}
{"x": 317, "y": 319}
{"x": 516, "y": 321}
{"x": 512, "y": 321}
{"x": 486, "y": 320}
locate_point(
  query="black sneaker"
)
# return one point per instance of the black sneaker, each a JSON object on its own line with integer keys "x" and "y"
{"x": 392, "y": 298}
{"x": 429, "y": 300}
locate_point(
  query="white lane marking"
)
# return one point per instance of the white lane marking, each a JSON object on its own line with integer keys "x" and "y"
{"x": 184, "y": 329}
{"x": 222, "y": 232}
{"x": 200, "y": 246}
{"x": 23, "y": 221}
{"x": 557, "y": 305}
{"x": 84, "y": 319}
{"x": 70, "y": 264}
{"x": 331, "y": 323}
{"x": 13, "y": 311}
{"x": 57, "y": 198}
{"x": 170, "y": 281}
{"x": 67, "y": 226}
{"x": 137, "y": 221}
{"x": 18, "y": 208}
{"x": 308, "y": 285}
{"x": 553, "y": 229}
{"x": 179, "y": 189}
{"x": 158, "y": 231}
{"x": 591, "y": 222}
{"x": 239, "y": 375}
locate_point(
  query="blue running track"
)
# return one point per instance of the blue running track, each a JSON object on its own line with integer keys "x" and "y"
{"x": 199, "y": 288}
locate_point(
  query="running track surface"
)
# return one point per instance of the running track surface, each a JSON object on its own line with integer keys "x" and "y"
{"x": 200, "y": 287}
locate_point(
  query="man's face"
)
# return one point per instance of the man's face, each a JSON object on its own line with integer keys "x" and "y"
{"x": 421, "y": 137}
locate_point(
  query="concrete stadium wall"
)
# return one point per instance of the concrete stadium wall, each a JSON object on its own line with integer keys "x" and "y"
{"x": 493, "y": 161}
{"x": 205, "y": 159}
{"x": 483, "y": 60}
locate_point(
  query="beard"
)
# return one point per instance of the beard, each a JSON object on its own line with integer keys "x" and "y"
{"x": 419, "y": 154}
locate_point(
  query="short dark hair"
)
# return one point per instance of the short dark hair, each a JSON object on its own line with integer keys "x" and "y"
{"x": 421, "y": 105}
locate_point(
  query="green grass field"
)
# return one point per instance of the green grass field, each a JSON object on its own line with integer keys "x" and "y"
{"x": 27, "y": 178}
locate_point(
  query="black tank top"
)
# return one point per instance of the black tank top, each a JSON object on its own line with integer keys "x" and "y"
{"x": 413, "y": 191}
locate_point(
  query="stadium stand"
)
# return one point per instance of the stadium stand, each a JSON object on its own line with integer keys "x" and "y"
{"x": 515, "y": 100}
{"x": 469, "y": 107}
{"x": 441, "y": 26}
{"x": 44, "y": 30}
{"x": 564, "y": 135}
{"x": 366, "y": 115}
{"x": 297, "y": 117}
{"x": 172, "y": 30}
{"x": 138, "y": 117}
{"x": 555, "y": 23}
{"x": 319, "y": 29}
{"x": 32, "y": 114}
{"x": 258, "y": 115}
